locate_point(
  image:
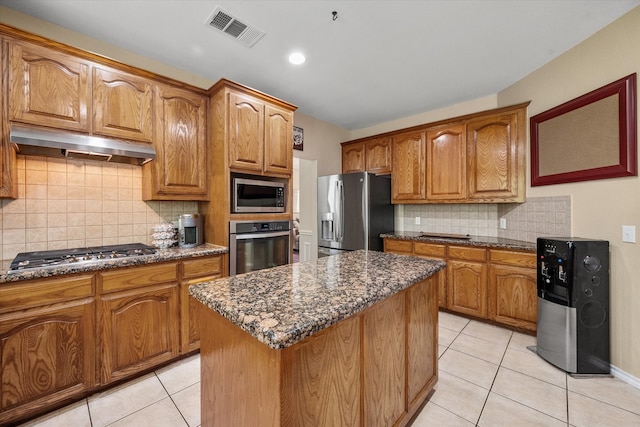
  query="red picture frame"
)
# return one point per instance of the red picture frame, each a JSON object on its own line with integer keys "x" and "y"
{"x": 625, "y": 90}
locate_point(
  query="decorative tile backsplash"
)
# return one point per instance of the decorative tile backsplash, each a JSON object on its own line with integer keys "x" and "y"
{"x": 73, "y": 203}
{"x": 538, "y": 216}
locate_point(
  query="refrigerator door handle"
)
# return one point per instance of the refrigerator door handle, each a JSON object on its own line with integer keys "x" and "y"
{"x": 340, "y": 212}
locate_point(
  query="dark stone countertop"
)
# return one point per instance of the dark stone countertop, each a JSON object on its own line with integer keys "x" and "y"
{"x": 281, "y": 306}
{"x": 160, "y": 256}
{"x": 483, "y": 241}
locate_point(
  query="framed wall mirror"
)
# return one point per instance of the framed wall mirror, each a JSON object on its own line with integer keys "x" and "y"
{"x": 591, "y": 137}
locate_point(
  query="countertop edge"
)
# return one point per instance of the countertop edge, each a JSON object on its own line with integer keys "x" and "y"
{"x": 478, "y": 241}
{"x": 162, "y": 255}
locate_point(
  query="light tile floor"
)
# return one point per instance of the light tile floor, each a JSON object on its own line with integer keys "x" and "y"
{"x": 487, "y": 377}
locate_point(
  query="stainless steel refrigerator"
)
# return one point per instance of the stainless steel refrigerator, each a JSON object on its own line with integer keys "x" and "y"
{"x": 353, "y": 209}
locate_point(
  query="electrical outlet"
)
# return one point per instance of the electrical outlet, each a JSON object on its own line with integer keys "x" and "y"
{"x": 629, "y": 233}
{"x": 417, "y": 220}
{"x": 503, "y": 223}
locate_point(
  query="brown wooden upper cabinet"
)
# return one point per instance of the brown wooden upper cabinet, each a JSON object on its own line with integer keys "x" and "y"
{"x": 122, "y": 105}
{"x": 373, "y": 156}
{"x": 408, "y": 177}
{"x": 477, "y": 158}
{"x": 446, "y": 162}
{"x": 260, "y": 136}
{"x": 179, "y": 171}
{"x": 48, "y": 88}
{"x": 496, "y": 155}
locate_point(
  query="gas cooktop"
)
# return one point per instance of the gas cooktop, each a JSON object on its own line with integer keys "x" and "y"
{"x": 68, "y": 257}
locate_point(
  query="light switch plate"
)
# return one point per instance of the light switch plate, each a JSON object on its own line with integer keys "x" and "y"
{"x": 417, "y": 220}
{"x": 503, "y": 223}
{"x": 629, "y": 233}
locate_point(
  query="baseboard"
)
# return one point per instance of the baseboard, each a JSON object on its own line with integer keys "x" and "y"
{"x": 626, "y": 377}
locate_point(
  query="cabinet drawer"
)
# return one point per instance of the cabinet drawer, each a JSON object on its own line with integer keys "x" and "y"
{"x": 34, "y": 293}
{"x": 200, "y": 267}
{"x": 429, "y": 249}
{"x": 516, "y": 259}
{"x": 398, "y": 246}
{"x": 467, "y": 253}
{"x": 137, "y": 277}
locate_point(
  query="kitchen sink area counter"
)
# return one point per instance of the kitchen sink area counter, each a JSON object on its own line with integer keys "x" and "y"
{"x": 283, "y": 305}
{"x": 161, "y": 255}
{"x": 464, "y": 240}
{"x": 349, "y": 339}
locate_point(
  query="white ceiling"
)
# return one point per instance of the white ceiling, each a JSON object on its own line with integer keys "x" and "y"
{"x": 378, "y": 61}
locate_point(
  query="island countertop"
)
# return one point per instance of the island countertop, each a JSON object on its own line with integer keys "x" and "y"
{"x": 283, "y": 305}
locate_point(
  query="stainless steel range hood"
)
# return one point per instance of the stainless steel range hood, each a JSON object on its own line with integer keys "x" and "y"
{"x": 44, "y": 142}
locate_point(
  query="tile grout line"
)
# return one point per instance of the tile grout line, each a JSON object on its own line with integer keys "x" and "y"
{"x": 171, "y": 398}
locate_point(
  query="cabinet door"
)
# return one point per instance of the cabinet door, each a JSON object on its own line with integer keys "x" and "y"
{"x": 446, "y": 165}
{"x": 47, "y": 355}
{"x": 179, "y": 171}
{"x": 378, "y": 156}
{"x": 48, "y": 88}
{"x": 246, "y": 132}
{"x": 194, "y": 271}
{"x": 139, "y": 329}
{"x": 122, "y": 105}
{"x": 467, "y": 287}
{"x": 433, "y": 251}
{"x": 422, "y": 336}
{"x": 513, "y": 298}
{"x": 408, "y": 178}
{"x": 278, "y": 144}
{"x": 8, "y": 167}
{"x": 353, "y": 156}
{"x": 496, "y": 157}
{"x": 384, "y": 351}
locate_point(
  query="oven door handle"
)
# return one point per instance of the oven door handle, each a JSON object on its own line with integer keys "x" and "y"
{"x": 261, "y": 235}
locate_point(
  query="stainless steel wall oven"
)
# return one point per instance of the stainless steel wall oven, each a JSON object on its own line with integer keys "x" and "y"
{"x": 254, "y": 245}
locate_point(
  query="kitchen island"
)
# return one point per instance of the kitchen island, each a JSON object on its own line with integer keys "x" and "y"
{"x": 347, "y": 340}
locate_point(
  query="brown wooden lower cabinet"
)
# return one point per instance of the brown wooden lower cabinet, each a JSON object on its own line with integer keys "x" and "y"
{"x": 64, "y": 337}
{"x": 495, "y": 284}
{"x": 375, "y": 368}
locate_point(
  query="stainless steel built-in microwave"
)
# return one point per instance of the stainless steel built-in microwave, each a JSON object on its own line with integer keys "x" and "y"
{"x": 253, "y": 195}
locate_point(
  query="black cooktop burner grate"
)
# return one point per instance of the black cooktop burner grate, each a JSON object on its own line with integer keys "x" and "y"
{"x": 54, "y": 258}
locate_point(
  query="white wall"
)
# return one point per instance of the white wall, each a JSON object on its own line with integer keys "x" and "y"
{"x": 599, "y": 208}
{"x": 322, "y": 143}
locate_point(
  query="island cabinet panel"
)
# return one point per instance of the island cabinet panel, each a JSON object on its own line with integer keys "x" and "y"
{"x": 194, "y": 271}
{"x": 321, "y": 378}
{"x": 48, "y": 88}
{"x": 512, "y": 297}
{"x": 245, "y": 376}
{"x": 422, "y": 333}
{"x": 446, "y": 162}
{"x": 278, "y": 132}
{"x": 374, "y": 368}
{"x": 122, "y": 105}
{"x": 409, "y": 163}
{"x": 47, "y": 355}
{"x": 353, "y": 157}
{"x": 384, "y": 362}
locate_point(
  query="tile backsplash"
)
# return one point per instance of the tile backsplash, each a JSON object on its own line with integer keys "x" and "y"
{"x": 538, "y": 216}
{"x": 65, "y": 203}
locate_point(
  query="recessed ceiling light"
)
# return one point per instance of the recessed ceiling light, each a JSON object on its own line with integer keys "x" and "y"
{"x": 297, "y": 58}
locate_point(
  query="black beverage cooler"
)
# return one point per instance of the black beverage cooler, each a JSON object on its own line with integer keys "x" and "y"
{"x": 573, "y": 304}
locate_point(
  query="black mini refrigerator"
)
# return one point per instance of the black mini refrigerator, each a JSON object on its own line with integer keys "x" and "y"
{"x": 573, "y": 304}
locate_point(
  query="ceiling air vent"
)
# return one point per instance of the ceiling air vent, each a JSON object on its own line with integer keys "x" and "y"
{"x": 231, "y": 26}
